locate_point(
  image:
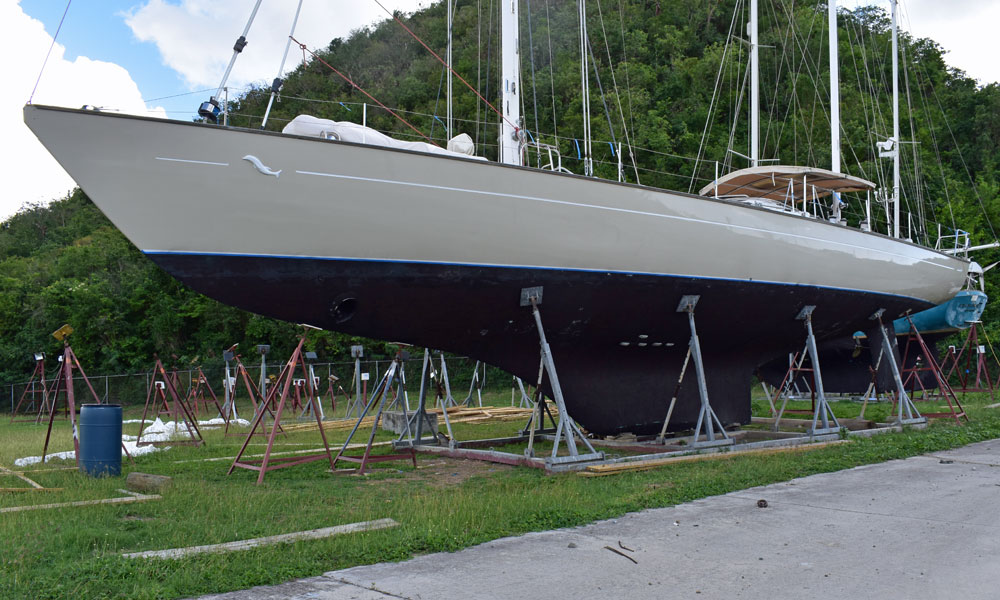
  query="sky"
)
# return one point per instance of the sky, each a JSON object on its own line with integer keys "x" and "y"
{"x": 164, "y": 57}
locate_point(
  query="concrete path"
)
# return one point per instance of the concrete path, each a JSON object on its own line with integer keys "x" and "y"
{"x": 925, "y": 527}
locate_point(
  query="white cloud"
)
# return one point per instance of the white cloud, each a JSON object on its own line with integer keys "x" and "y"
{"x": 965, "y": 29}
{"x": 195, "y": 38}
{"x": 33, "y": 175}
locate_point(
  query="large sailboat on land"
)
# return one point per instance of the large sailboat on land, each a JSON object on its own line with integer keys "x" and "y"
{"x": 434, "y": 249}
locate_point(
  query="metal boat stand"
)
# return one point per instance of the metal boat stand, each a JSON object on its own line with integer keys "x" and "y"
{"x": 525, "y": 401}
{"x": 176, "y": 408}
{"x": 64, "y": 383}
{"x": 419, "y": 420}
{"x": 443, "y": 385}
{"x": 379, "y": 397}
{"x": 566, "y": 428}
{"x": 824, "y": 421}
{"x": 196, "y": 395}
{"x": 913, "y": 377}
{"x": 33, "y": 391}
{"x": 950, "y": 364}
{"x": 708, "y": 423}
{"x": 907, "y": 412}
{"x": 399, "y": 397}
{"x": 476, "y": 385}
{"x": 282, "y": 389}
{"x": 334, "y": 382}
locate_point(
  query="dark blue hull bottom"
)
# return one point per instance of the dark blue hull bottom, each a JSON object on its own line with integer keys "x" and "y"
{"x": 610, "y": 387}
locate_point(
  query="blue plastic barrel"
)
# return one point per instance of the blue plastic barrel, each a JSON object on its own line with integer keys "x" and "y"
{"x": 101, "y": 439}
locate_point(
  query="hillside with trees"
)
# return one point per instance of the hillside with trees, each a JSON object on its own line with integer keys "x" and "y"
{"x": 669, "y": 78}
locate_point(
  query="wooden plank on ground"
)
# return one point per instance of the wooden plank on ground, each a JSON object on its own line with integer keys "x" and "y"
{"x": 642, "y": 465}
{"x": 312, "y": 534}
{"x": 132, "y": 497}
{"x": 34, "y": 486}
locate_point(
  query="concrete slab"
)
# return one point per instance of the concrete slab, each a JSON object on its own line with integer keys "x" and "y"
{"x": 925, "y": 527}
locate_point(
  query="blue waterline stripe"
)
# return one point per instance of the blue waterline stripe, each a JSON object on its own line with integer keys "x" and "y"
{"x": 529, "y": 267}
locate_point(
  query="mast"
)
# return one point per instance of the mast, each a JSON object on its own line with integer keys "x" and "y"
{"x": 834, "y": 104}
{"x": 448, "y": 119}
{"x": 754, "y": 88}
{"x": 510, "y": 135}
{"x": 588, "y": 161}
{"x": 834, "y": 90}
{"x": 895, "y": 123}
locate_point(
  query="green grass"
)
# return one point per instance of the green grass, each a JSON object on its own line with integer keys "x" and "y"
{"x": 75, "y": 552}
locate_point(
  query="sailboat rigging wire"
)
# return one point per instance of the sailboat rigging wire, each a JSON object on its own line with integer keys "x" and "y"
{"x": 628, "y": 86}
{"x": 276, "y": 85}
{"x": 552, "y": 79}
{"x": 47, "y": 54}
{"x": 937, "y": 153}
{"x": 618, "y": 99}
{"x": 534, "y": 86}
{"x": 437, "y": 102}
{"x": 442, "y": 61}
{"x": 148, "y": 100}
{"x": 917, "y": 180}
{"x": 711, "y": 104}
{"x": 965, "y": 165}
{"x": 604, "y": 102}
{"x": 588, "y": 165}
{"x": 362, "y": 90}
{"x": 479, "y": 60}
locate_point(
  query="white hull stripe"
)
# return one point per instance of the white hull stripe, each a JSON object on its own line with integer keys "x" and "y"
{"x": 195, "y": 162}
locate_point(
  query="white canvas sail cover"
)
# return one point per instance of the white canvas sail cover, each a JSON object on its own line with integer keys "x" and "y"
{"x": 307, "y": 125}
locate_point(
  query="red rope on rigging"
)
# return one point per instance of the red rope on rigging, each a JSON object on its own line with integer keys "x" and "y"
{"x": 453, "y": 72}
{"x": 360, "y": 89}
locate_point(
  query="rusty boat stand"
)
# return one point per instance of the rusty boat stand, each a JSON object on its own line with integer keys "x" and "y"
{"x": 285, "y": 383}
{"x": 35, "y": 387}
{"x": 64, "y": 382}
{"x": 951, "y": 363}
{"x": 175, "y": 407}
